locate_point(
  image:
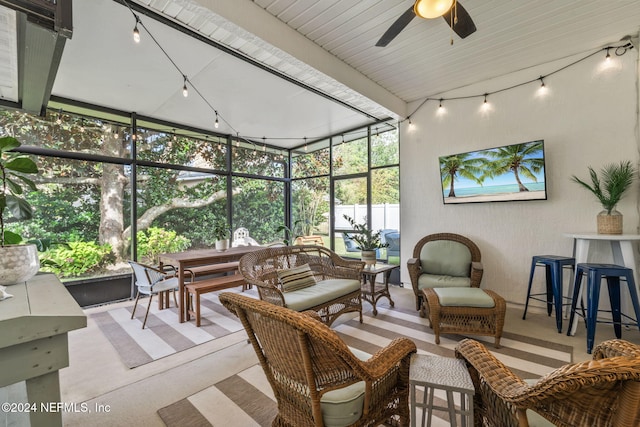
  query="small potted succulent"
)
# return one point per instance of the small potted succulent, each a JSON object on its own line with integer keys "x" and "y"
{"x": 366, "y": 239}
{"x": 18, "y": 262}
{"x": 609, "y": 187}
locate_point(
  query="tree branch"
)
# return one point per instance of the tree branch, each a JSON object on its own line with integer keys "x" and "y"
{"x": 178, "y": 203}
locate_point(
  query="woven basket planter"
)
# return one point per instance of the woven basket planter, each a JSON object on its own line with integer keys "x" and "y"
{"x": 610, "y": 223}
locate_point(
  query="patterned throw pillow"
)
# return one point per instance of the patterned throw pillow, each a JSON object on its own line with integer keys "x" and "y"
{"x": 299, "y": 277}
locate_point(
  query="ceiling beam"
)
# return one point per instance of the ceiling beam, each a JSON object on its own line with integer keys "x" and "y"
{"x": 248, "y": 15}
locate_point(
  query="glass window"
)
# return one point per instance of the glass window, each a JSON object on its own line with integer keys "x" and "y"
{"x": 64, "y": 131}
{"x": 176, "y": 209}
{"x": 178, "y": 149}
{"x": 351, "y": 156}
{"x": 385, "y": 210}
{"x": 312, "y": 161}
{"x": 258, "y": 160}
{"x": 310, "y": 207}
{"x": 385, "y": 145}
{"x": 258, "y": 206}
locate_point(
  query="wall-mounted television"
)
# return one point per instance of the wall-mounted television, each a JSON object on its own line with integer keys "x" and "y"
{"x": 500, "y": 174}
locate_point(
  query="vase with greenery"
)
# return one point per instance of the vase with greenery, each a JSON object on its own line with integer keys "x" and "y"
{"x": 609, "y": 186}
{"x": 222, "y": 232}
{"x": 18, "y": 262}
{"x": 366, "y": 240}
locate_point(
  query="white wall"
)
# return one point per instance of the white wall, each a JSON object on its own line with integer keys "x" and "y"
{"x": 588, "y": 118}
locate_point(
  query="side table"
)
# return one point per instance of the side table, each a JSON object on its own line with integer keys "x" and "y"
{"x": 444, "y": 373}
{"x": 372, "y": 291}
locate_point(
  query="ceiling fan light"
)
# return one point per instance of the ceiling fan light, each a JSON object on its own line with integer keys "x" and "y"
{"x": 429, "y": 9}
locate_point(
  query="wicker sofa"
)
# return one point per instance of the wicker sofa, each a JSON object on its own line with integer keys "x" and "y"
{"x": 337, "y": 280}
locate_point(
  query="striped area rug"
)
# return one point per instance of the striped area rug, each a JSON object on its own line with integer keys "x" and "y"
{"x": 163, "y": 335}
{"x": 246, "y": 399}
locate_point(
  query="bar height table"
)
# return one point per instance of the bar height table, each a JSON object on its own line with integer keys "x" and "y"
{"x": 622, "y": 248}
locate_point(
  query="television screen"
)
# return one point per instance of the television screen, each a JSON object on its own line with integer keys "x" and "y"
{"x": 511, "y": 172}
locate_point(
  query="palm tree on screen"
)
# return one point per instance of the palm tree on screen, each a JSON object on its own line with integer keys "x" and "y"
{"x": 460, "y": 166}
{"x": 520, "y": 159}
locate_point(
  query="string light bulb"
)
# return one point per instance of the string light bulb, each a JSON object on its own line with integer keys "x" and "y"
{"x": 136, "y": 32}
{"x": 608, "y": 57}
{"x": 59, "y": 119}
{"x": 217, "y": 123}
{"x": 543, "y": 88}
{"x": 305, "y": 144}
{"x": 440, "y": 106}
{"x": 185, "y": 91}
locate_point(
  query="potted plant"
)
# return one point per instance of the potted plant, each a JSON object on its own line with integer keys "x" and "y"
{"x": 222, "y": 232}
{"x": 609, "y": 187}
{"x": 18, "y": 262}
{"x": 366, "y": 239}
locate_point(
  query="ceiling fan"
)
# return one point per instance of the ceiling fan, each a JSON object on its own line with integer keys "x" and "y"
{"x": 451, "y": 10}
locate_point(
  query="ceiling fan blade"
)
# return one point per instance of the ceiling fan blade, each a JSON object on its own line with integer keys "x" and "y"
{"x": 396, "y": 27}
{"x": 465, "y": 26}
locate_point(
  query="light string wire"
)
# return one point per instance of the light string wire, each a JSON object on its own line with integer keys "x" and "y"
{"x": 618, "y": 50}
{"x": 248, "y": 139}
{"x": 219, "y": 117}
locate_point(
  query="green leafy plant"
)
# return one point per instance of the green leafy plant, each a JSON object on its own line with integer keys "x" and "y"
{"x": 156, "y": 240}
{"x": 291, "y": 234}
{"x": 221, "y": 229}
{"x": 77, "y": 258}
{"x": 14, "y": 169}
{"x": 611, "y": 184}
{"x": 367, "y": 239}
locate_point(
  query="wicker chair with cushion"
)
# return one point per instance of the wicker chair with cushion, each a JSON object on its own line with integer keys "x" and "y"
{"x": 601, "y": 392}
{"x": 444, "y": 260}
{"x": 316, "y": 379}
{"x": 304, "y": 278}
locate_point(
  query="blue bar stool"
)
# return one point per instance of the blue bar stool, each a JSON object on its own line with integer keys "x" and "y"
{"x": 553, "y": 265}
{"x": 613, "y": 273}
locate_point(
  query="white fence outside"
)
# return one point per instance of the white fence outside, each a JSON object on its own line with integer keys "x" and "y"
{"x": 384, "y": 216}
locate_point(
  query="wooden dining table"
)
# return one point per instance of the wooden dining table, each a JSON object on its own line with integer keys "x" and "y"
{"x": 199, "y": 257}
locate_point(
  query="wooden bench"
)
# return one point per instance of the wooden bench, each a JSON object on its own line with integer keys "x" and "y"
{"x": 195, "y": 289}
{"x": 204, "y": 270}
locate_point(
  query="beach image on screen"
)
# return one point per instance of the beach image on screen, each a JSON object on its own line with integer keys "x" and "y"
{"x": 511, "y": 172}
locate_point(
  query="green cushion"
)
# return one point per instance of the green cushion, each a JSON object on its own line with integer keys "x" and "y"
{"x": 344, "y": 406}
{"x": 445, "y": 257}
{"x": 439, "y": 281}
{"x": 324, "y": 291}
{"x": 464, "y": 297}
{"x": 296, "y": 278}
{"x": 535, "y": 419}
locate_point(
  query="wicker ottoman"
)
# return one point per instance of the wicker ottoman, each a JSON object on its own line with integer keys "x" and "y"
{"x": 471, "y": 311}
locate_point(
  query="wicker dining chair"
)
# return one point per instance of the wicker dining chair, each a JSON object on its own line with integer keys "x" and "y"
{"x": 444, "y": 260}
{"x": 601, "y": 392}
{"x": 316, "y": 379}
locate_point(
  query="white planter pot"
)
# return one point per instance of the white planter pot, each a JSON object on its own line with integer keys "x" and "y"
{"x": 18, "y": 263}
{"x": 222, "y": 245}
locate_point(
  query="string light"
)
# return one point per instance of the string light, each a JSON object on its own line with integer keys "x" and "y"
{"x": 608, "y": 57}
{"x": 59, "y": 119}
{"x": 136, "y": 32}
{"x": 543, "y": 88}
{"x": 264, "y": 143}
{"x": 81, "y": 125}
{"x": 305, "y": 144}
{"x": 216, "y": 124}
{"x": 185, "y": 91}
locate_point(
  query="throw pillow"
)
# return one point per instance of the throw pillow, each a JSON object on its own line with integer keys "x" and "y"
{"x": 299, "y": 277}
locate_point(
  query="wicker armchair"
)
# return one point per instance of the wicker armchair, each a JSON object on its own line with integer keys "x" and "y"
{"x": 439, "y": 260}
{"x": 307, "y": 364}
{"x": 604, "y": 391}
{"x": 260, "y": 268}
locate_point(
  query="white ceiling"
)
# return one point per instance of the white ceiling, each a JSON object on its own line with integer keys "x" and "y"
{"x": 327, "y": 44}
